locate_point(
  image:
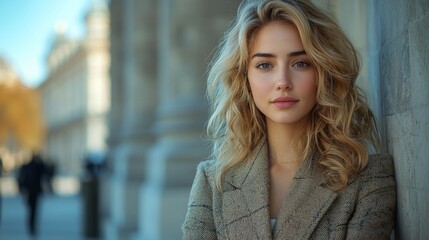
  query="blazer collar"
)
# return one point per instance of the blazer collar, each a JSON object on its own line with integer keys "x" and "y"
{"x": 257, "y": 161}
{"x": 246, "y": 200}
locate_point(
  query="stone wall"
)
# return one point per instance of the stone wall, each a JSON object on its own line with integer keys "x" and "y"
{"x": 404, "y": 73}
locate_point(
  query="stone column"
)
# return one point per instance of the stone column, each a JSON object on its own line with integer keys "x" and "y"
{"x": 137, "y": 81}
{"x": 115, "y": 116}
{"x": 404, "y": 73}
{"x": 189, "y": 30}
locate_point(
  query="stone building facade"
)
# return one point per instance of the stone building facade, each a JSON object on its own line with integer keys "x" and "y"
{"x": 160, "y": 52}
{"x": 76, "y": 93}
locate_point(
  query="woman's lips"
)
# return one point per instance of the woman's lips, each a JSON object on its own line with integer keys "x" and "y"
{"x": 284, "y": 102}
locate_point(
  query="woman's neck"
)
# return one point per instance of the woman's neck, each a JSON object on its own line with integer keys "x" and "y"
{"x": 283, "y": 143}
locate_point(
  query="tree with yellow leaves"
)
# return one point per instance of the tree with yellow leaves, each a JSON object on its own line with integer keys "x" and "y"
{"x": 21, "y": 115}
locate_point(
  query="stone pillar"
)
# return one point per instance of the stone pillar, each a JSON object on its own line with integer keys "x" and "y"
{"x": 107, "y": 204}
{"x": 403, "y": 71}
{"x": 136, "y": 79}
{"x": 189, "y": 30}
{"x": 115, "y": 112}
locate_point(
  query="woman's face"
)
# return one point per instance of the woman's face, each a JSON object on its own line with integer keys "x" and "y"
{"x": 281, "y": 76}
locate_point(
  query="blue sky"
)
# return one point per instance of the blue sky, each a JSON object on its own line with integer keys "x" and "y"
{"x": 27, "y": 29}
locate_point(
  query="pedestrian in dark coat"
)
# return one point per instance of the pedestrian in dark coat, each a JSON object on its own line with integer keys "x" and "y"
{"x": 30, "y": 184}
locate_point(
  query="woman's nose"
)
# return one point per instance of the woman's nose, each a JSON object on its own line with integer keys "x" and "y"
{"x": 283, "y": 82}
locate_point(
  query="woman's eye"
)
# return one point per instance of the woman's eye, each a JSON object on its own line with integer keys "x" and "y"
{"x": 301, "y": 64}
{"x": 264, "y": 66}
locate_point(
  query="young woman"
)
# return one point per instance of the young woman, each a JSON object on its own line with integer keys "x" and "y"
{"x": 290, "y": 131}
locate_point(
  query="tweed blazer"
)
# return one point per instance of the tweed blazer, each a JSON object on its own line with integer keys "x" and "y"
{"x": 365, "y": 209}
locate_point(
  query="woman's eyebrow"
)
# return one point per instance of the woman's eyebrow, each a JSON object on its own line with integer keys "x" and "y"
{"x": 270, "y": 55}
{"x": 264, "y": 55}
{"x": 297, "y": 53}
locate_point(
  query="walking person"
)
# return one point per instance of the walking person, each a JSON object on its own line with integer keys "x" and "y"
{"x": 30, "y": 182}
{"x": 291, "y": 132}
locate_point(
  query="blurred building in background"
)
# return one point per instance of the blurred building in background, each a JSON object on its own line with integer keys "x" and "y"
{"x": 76, "y": 93}
{"x": 160, "y": 53}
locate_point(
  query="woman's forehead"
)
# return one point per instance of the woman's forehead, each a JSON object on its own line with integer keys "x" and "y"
{"x": 276, "y": 36}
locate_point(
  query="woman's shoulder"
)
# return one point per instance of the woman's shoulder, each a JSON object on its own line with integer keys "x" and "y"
{"x": 208, "y": 168}
{"x": 380, "y": 161}
{"x": 378, "y": 174}
{"x": 207, "y": 165}
{"x": 379, "y": 165}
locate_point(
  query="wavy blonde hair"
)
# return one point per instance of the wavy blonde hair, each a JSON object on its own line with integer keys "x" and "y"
{"x": 341, "y": 122}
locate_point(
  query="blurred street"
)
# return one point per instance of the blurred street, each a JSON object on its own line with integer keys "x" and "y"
{"x": 59, "y": 218}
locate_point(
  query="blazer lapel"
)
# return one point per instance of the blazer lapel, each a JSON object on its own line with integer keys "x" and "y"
{"x": 305, "y": 203}
{"x": 245, "y": 200}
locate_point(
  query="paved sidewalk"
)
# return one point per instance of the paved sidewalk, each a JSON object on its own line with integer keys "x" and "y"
{"x": 59, "y": 218}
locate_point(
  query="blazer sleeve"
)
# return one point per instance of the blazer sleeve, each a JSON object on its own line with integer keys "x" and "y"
{"x": 199, "y": 222}
{"x": 374, "y": 213}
